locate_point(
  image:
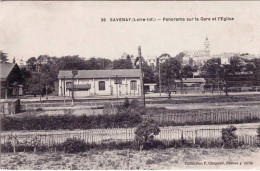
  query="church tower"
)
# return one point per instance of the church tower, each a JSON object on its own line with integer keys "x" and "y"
{"x": 207, "y": 46}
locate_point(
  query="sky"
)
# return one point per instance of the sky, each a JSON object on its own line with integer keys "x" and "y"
{"x": 62, "y": 28}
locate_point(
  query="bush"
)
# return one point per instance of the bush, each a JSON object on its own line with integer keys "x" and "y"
{"x": 116, "y": 145}
{"x": 145, "y": 132}
{"x": 154, "y": 144}
{"x": 179, "y": 144}
{"x": 229, "y": 138}
{"x": 7, "y": 147}
{"x": 258, "y": 135}
{"x": 208, "y": 143}
{"x": 73, "y": 145}
{"x": 39, "y": 109}
{"x": 126, "y": 103}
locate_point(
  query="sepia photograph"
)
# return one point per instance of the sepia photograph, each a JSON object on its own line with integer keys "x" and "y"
{"x": 129, "y": 85}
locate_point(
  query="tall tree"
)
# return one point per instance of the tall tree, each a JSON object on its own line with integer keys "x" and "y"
{"x": 31, "y": 63}
{"x": 149, "y": 73}
{"x": 170, "y": 70}
{"x": 236, "y": 64}
{"x": 3, "y": 57}
{"x": 34, "y": 84}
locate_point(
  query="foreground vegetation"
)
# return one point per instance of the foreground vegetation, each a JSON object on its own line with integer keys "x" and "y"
{"x": 159, "y": 159}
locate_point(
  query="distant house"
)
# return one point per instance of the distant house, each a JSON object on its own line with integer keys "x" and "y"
{"x": 121, "y": 82}
{"x": 190, "y": 85}
{"x": 10, "y": 78}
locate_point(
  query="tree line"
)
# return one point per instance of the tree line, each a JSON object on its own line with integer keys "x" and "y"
{"x": 42, "y": 72}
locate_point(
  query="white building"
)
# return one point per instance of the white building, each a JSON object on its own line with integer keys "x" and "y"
{"x": 151, "y": 61}
{"x": 121, "y": 82}
{"x": 198, "y": 57}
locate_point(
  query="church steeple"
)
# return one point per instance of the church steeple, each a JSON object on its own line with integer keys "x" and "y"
{"x": 207, "y": 45}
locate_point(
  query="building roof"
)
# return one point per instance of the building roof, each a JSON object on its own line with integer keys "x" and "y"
{"x": 192, "y": 80}
{"x": 5, "y": 70}
{"x": 123, "y": 73}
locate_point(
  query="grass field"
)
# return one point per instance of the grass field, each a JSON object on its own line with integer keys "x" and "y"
{"x": 186, "y": 158}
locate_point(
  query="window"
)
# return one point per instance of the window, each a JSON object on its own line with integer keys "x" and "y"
{"x": 101, "y": 85}
{"x": 68, "y": 85}
{"x": 133, "y": 85}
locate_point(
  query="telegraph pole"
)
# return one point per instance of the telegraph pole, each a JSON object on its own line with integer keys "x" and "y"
{"x": 117, "y": 82}
{"x": 64, "y": 90}
{"x": 142, "y": 77}
{"x": 46, "y": 87}
{"x": 160, "y": 84}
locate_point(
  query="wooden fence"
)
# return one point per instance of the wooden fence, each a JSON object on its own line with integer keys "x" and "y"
{"x": 247, "y": 136}
{"x": 214, "y": 116}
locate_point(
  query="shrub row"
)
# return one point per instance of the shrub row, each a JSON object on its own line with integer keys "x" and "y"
{"x": 56, "y": 122}
{"x": 122, "y": 120}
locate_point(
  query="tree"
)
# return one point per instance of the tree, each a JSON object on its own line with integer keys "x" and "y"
{"x": 34, "y": 84}
{"x": 3, "y": 57}
{"x": 31, "y": 63}
{"x": 26, "y": 75}
{"x": 212, "y": 72}
{"x": 229, "y": 137}
{"x": 145, "y": 132}
{"x": 14, "y": 60}
{"x": 179, "y": 57}
{"x": 123, "y": 64}
{"x": 218, "y": 74}
{"x": 211, "y": 67}
{"x": 187, "y": 71}
{"x": 170, "y": 70}
{"x": 191, "y": 61}
{"x": 98, "y": 63}
{"x": 149, "y": 73}
{"x": 236, "y": 65}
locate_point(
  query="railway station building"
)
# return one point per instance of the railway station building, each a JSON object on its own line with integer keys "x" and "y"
{"x": 118, "y": 82}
